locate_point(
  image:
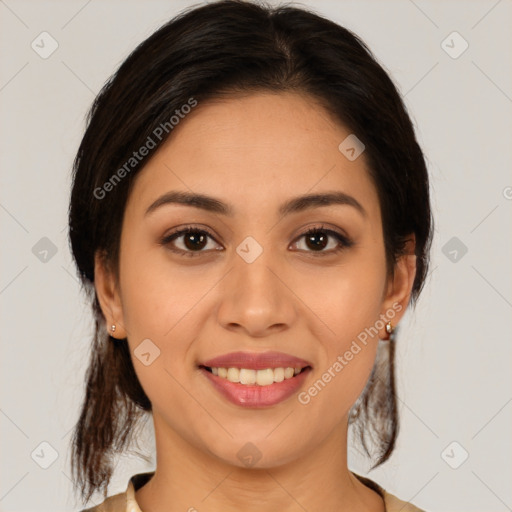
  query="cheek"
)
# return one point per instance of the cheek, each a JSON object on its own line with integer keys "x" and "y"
{"x": 158, "y": 307}
{"x": 157, "y": 294}
{"x": 346, "y": 359}
{"x": 347, "y": 298}
{"x": 347, "y": 303}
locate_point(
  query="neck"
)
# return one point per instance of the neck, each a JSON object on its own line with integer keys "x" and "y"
{"x": 189, "y": 479}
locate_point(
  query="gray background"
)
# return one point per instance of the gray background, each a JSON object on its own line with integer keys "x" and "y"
{"x": 454, "y": 353}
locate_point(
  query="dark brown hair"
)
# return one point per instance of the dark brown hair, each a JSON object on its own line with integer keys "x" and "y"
{"x": 223, "y": 48}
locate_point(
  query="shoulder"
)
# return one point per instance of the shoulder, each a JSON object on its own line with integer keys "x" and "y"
{"x": 391, "y": 502}
{"x": 124, "y": 501}
{"x": 116, "y": 503}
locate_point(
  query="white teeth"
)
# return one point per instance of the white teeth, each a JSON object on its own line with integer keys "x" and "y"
{"x": 278, "y": 374}
{"x": 265, "y": 377}
{"x": 250, "y": 377}
{"x": 247, "y": 376}
{"x": 234, "y": 374}
{"x": 289, "y": 373}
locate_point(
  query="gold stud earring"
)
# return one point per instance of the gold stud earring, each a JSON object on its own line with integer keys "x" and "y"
{"x": 389, "y": 328}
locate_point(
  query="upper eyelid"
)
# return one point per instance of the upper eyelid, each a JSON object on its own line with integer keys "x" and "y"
{"x": 184, "y": 230}
{"x": 178, "y": 233}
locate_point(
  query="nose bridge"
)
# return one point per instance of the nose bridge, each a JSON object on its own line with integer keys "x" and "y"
{"x": 252, "y": 265}
{"x": 254, "y": 297}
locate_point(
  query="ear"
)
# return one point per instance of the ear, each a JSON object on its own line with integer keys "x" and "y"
{"x": 107, "y": 291}
{"x": 399, "y": 287}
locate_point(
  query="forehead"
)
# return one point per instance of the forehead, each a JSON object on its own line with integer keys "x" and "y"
{"x": 255, "y": 150}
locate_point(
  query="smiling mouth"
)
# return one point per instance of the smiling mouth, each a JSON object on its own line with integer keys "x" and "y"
{"x": 251, "y": 377}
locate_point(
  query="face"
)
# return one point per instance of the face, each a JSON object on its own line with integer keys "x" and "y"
{"x": 250, "y": 276}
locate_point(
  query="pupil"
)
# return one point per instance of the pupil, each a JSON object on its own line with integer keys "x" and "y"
{"x": 197, "y": 241}
{"x": 321, "y": 244}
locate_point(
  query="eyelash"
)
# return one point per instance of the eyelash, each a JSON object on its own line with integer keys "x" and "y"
{"x": 344, "y": 242}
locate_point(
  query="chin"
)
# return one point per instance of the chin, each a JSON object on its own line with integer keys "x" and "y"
{"x": 258, "y": 451}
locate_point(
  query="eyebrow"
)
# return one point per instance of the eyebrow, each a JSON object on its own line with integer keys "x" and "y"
{"x": 294, "y": 205}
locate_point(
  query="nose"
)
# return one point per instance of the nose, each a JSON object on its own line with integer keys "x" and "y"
{"x": 256, "y": 299}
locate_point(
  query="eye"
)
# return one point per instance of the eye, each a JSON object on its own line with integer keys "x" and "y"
{"x": 317, "y": 239}
{"x": 195, "y": 240}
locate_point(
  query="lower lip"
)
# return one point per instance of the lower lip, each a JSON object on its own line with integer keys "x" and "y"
{"x": 257, "y": 396}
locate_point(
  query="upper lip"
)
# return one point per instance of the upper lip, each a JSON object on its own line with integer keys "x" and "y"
{"x": 256, "y": 361}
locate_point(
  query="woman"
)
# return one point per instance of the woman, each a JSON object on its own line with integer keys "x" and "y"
{"x": 250, "y": 216}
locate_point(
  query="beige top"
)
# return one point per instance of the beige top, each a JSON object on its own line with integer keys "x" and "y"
{"x": 125, "y": 501}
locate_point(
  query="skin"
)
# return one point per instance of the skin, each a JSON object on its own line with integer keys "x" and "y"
{"x": 252, "y": 152}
